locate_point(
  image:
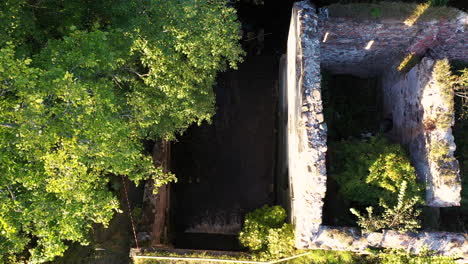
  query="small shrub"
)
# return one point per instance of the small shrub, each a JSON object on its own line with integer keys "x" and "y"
{"x": 267, "y": 235}
{"x": 402, "y": 217}
{"x": 370, "y": 170}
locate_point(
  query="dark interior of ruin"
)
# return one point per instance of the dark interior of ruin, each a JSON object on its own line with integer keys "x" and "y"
{"x": 353, "y": 109}
{"x": 227, "y": 168}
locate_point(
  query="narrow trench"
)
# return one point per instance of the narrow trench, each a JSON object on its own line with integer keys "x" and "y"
{"x": 227, "y": 168}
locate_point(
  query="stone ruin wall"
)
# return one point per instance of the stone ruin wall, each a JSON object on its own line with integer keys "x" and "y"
{"x": 306, "y": 130}
{"x": 344, "y": 51}
{"x": 414, "y": 101}
{"x": 306, "y": 138}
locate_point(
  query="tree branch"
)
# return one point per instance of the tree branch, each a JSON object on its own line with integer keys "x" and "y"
{"x": 462, "y": 95}
{"x": 136, "y": 73}
{"x": 11, "y": 193}
{"x": 7, "y": 125}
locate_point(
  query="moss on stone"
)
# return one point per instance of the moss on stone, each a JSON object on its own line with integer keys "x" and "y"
{"x": 439, "y": 153}
{"x": 409, "y": 62}
{"x": 393, "y": 10}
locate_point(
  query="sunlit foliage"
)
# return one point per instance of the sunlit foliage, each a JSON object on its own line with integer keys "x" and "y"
{"x": 82, "y": 84}
{"x": 266, "y": 234}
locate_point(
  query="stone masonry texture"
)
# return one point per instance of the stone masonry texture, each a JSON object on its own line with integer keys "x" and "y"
{"x": 306, "y": 128}
{"x": 415, "y": 102}
{"x": 344, "y": 52}
{"x": 344, "y": 49}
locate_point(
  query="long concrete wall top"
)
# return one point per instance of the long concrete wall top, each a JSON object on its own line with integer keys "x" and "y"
{"x": 306, "y": 128}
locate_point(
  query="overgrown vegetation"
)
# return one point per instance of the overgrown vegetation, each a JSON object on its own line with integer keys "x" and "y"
{"x": 455, "y": 219}
{"x": 402, "y": 217}
{"x": 263, "y": 233}
{"x": 82, "y": 84}
{"x": 448, "y": 84}
{"x": 394, "y": 256}
{"x": 459, "y": 82}
{"x": 370, "y": 170}
{"x": 266, "y": 234}
{"x": 324, "y": 257}
{"x": 350, "y": 105}
{"x": 374, "y": 173}
{"x": 445, "y": 81}
{"x": 410, "y": 12}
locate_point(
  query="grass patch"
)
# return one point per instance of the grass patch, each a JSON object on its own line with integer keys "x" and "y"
{"x": 314, "y": 256}
{"x": 340, "y": 257}
{"x": 393, "y": 10}
{"x": 188, "y": 254}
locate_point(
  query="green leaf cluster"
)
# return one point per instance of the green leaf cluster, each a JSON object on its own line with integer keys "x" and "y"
{"x": 402, "y": 217}
{"x": 378, "y": 175}
{"x": 82, "y": 85}
{"x": 266, "y": 234}
{"x": 368, "y": 171}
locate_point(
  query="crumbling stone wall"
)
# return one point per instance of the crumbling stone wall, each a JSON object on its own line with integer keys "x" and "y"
{"x": 417, "y": 104}
{"x": 351, "y": 239}
{"x": 306, "y": 130}
{"x": 345, "y": 53}
{"x": 344, "y": 49}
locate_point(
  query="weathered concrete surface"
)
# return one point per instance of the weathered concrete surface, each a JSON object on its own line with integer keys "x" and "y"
{"x": 344, "y": 51}
{"x": 416, "y": 104}
{"x": 306, "y": 128}
{"x": 347, "y": 238}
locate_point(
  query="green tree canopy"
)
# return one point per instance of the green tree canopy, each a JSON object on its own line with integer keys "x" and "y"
{"x": 82, "y": 83}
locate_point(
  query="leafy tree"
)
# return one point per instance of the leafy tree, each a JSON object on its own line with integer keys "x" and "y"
{"x": 82, "y": 84}
{"x": 267, "y": 235}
